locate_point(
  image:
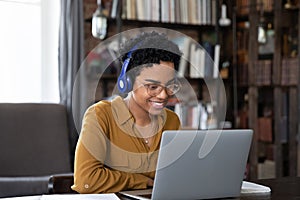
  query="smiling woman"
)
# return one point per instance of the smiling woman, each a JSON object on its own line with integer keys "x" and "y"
{"x": 119, "y": 139}
{"x": 29, "y": 50}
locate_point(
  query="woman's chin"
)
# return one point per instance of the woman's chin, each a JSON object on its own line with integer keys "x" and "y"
{"x": 155, "y": 111}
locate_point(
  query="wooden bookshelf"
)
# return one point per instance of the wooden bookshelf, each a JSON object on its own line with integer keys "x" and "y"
{"x": 265, "y": 81}
{"x": 200, "y": 28}
{"x": 272, "y": 84}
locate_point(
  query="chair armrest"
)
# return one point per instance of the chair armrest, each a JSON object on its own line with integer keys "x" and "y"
{"x": 23, "y": 186}
{"x": 61, "y": 183}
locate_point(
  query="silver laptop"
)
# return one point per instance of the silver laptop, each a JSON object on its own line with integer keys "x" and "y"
{"x": 199, "y": 164}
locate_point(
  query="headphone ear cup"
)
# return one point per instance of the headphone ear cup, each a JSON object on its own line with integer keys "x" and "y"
{"x": 125, "y": 84}
{"x": 123, "y": 79}
{"x": 122, "y": 85}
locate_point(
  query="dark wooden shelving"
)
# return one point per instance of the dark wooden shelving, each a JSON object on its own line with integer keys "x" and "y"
{"x": 281, "y": 98}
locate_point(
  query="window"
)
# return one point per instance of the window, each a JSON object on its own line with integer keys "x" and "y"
{"x": 29, "y": 50}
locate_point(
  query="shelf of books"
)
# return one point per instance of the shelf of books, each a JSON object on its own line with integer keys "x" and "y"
{"x": 196, "y": 19}
{"x": 268, "y": 78}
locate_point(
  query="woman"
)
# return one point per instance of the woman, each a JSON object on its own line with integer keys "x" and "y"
{"x": 119, "y": 141}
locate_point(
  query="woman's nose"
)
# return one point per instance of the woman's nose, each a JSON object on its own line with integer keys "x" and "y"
{"x": 163, "y": 94}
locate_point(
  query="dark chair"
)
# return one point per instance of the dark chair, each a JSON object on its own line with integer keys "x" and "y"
{"x": 34, "y": 145}
{"x": 61, "y": 184}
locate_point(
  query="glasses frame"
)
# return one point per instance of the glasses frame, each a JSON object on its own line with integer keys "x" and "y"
{"x": 161, "y": 87}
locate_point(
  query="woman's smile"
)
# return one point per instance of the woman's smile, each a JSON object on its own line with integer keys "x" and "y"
{"x": 157, "y": 104}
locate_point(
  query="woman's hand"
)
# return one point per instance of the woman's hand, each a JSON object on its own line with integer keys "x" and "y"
{"x": 150, "y": 182}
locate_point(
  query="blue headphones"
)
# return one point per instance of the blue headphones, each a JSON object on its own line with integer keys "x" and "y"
{"x": 124, "y": 81}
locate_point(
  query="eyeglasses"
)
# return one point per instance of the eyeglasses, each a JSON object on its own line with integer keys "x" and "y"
{"x": 154, "y": 89}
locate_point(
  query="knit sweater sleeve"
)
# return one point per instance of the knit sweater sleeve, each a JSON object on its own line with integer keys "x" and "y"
{"x": 90, "y": 173}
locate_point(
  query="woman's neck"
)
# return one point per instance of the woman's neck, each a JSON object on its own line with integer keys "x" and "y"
{"x": 142, "y": 118}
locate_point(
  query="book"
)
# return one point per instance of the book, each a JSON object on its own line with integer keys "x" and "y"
{"x": 114, "y": 9}
{"x": 289, "y": 71}
{"x": 216, "y": 61}
{"x": 265, "y": 129}
{"x": 208, "y": 59}
{"x": 184, "y": 45}
{"x": 196, "y": 62}
{"x": 263, "y": 72}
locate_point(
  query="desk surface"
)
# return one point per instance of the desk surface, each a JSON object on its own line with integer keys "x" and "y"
{"x": 283, "y": 188}
{"x": 287, "y": 188}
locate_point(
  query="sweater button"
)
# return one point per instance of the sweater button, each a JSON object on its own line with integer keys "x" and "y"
{"x": 86, "y": 186}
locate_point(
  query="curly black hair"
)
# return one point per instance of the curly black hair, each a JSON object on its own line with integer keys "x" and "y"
{"x": 149, "y": 48}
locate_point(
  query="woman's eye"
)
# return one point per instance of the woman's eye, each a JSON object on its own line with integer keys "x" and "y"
{"x": 152, "y": 87}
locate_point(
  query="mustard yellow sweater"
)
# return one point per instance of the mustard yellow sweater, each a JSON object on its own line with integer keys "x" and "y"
{"x": 111, "y": 155}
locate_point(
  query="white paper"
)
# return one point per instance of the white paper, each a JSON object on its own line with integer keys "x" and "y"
{"x": 254, "y": 188}
{"x": 108, "y": 196}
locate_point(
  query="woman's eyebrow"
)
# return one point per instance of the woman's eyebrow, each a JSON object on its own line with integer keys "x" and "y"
{"x": 153, "y": 81}
{"x": 158, "y": 82}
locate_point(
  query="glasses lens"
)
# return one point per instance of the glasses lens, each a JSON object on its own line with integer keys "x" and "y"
{"x": 172, "y": 88}
{"x": 154, "y": 89}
